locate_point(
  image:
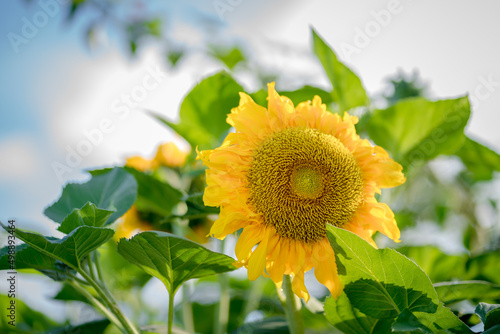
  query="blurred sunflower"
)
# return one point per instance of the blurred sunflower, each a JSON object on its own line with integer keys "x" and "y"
{"x": 130, "y": 224}
{"x": 167, "y": 154}
{"x": 287, "y": 172}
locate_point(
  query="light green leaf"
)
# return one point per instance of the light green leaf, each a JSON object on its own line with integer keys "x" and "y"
{"x": 417, "y": 129}
{"x": 452, "y": 292}
{"x": 231, "y": 58}
{"x": 489, "y": 314}
{"x": 348, "y": 91}
{"x": 25, "y": 318}
{"x": 395, "y": 283}
{"x": 204, "y": 110}
{"x": 172, "y": 259}
{"x": 72, "y": 248}
{"x": 115, "y": 191}
{"x": 69, "y": 293}
{"x": 154, "y": 195}
{"x": 407, "y": 322}
{"x": 88, "y": 215}
{"x": 346, "y": 318}
{"x": 481, "y": 161}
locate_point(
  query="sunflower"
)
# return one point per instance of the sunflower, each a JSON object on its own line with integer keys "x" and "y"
{"x": 130, "y": 224}
{"x": 284, "y": 175}
{"x": 167, "y": 154}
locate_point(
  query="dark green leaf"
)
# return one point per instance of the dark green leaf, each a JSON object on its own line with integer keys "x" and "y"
{"x": 346, "y": 318}
{"x": 26, "y": 257}
{"x": 172, "y": 259}
{"x": 452, "y": 292}
{"x": 94, "y": 327}
{"x": 481, "y": 161}
{"x": 72, "y": 248}
{"x": 493, "y": 330}
{"x": 307, "y": 93}
{"x": 395, "y": 282}
{"x": 115, "y": 191}
{"x": 484, "y": 267}
{"x": 271, "y": 325}
{"x": 348, "y": 91}
{"x": 407, "y": 322}
{"x": 69, "y": 293}
{"x": 417, "y": 129}
{"x": 154, "y": 195}
{"x": 204, "y": 110}
{"x": 88, "y": 215}
{"x": 489, "y": 314}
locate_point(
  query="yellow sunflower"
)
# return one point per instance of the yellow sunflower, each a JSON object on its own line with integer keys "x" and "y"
{"x": 167, "y": 154}
{"x": 130, "y": 224}
{"x": 287, "y": 172}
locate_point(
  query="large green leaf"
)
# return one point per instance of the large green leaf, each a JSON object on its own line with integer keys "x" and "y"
{"x": 489, "y": 314}
{"x": 390, "y": 281}
{"x": 72, "y": 248}
{"x": 88, "y": 215}
{"x": 348, "y": 91}
{"x": 440, "y": 267}
{"x": 417, "y": 129}
{"x": 114, "y": 191}
{"x": 346, "y": 318}
{"x": 452, "y": 292}
{"x": 484, "y": 267}
{"x": 172, "y": 259}
{"x": 481, "y": 161}
{"x": 407, "y": 323}
{"x": 204, "y": 110}
{"x": 154, "y": 195}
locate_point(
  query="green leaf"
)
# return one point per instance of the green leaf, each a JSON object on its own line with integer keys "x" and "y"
{"x": 307, "y": 93}
{"x": 346, "y": 318}
{"x": 154, "y": 195}
{"x": 69, "y": 293}
{"x": 26, "y": 257}
{"x": 231, "y": 58}
{"x": 493, "y": 330}
{"x": 348, "y": 91}
{"x": 484, "y": 267}
{"x": 88, "y": 215}
{"x": 417, "y": 129}
{"x": 481, "y": 161}
{"x": 27, "y": 320}
{"x": 489, "y": 314}
{"x": 407, "y": 322}
{"x": 72, "y": 248}
{"x": 196, "y": 206}
{"x": 204, "y": 110}
{"x": 437, "y": 265}
{"x": 395, "y": 283}
{"x": 172, "y": 259}
{"x": 114, "y": 191}
{"x": 93, "y": 327}
{"x": 452, "y": 292}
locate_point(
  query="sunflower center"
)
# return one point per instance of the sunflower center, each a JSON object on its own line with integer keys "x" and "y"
{"x": 300, "y": 180}
{"x": 306, "y": 182}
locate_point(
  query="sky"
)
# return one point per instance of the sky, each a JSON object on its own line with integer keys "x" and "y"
{"x": 56, "y": 93}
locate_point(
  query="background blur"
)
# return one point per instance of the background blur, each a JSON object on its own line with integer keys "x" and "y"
{"x": 69, "y": 68}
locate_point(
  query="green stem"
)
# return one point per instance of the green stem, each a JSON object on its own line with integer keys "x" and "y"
{"x": 187, "y": 308}
{"x": 90, "y": 263}
{"x": 295, "y": 321}
{"x": 111, "y": 304}
{"x": 96, "y": 303}
{"x": 170, "y": 311}
{"x": 98, "y": 267}
{"x": 253, "y": 297}
{"x": 222, "y": 312}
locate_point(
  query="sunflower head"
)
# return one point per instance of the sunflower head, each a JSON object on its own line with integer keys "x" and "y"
{"x": 167, "y": 154}
{"x": 284, "y": 175}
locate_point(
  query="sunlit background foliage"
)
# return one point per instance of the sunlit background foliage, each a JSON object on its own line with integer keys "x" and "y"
{"x": 448, "y": 210}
